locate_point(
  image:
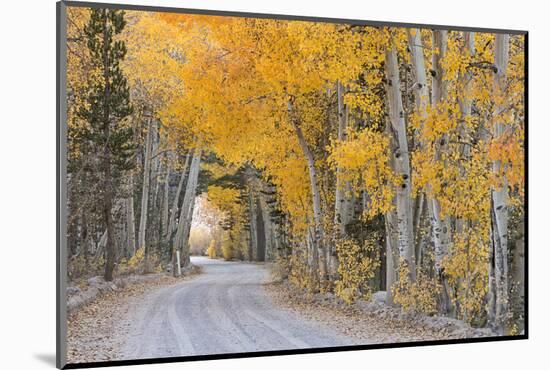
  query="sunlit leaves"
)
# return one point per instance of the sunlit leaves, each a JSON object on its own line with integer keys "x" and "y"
{"x": 364, "y": 157}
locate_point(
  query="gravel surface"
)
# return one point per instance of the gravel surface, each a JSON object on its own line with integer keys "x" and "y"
{"x": 97, "y": 330}
{"x": 234, "y": 307}
{"x": 226, "y": 309}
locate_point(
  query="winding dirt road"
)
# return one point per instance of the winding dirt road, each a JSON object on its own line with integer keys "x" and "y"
{"x": 223, "y": 310}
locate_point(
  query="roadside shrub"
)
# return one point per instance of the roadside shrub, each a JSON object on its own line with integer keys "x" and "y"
{"x": 279, "y": 269}
{"x": 152, "y": 264}
{"x": 227, "y": 249}
{"x": 420, "y": 296}
{"x": 467, "y": 270}
{"x": 358, "y": 265}
{"x": 139, "y": 263}
{"x": 211, "y": 251}
{"x": 299, "y": 273}
{"x": 82, "y": 267}
{"x": 134, "y": 264}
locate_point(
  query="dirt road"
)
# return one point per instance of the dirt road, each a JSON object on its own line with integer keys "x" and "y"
{"x": 225, "y": 309}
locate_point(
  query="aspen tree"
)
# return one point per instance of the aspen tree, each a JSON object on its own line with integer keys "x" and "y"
{"x": 146, "y": 183}
{"x": 181, "y": 242}
{"x": 401, "y": 161}
{"x": 498, "y": 302}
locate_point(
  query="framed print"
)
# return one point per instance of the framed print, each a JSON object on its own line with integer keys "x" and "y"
{"x": 235, "y": 185}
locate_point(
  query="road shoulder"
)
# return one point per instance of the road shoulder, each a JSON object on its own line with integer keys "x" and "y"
{"x": 97, "y": 330}
{"x": 369, "y": 322}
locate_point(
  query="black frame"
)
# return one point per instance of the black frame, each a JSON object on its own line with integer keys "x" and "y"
{"x": 61, "y": 198}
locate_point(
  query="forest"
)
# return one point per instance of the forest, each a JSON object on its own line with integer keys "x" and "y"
{"x": 355, "y": 159}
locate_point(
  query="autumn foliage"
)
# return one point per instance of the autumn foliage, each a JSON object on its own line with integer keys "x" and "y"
{"x": 303, "y": 152}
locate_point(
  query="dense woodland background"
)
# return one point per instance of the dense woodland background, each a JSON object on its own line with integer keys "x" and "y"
{"x": 356, "y": 158}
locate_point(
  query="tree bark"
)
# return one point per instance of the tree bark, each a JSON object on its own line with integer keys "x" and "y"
{"x": 340, "y": 199}
{"x": 499, "y": 198}
{"x": 422, "y": 98}
{"x": 465, "y": 103}
{"x": 154, "y": 223}
{"x": 342, "y": 202}
{"x": 186, "y": 212}
{"x": 391, "y": 243}
{"x": 253, "y": 243}
{"x": 269, "y": 228}
{"x": 421, "y": 90}
{"x": 442, "y": 229}
{"x": 418, "y": 216}
{"x": 440, "y": 225}
{"x": 261, "y": 233}
{"x": 318, "y": 235}
{"x": 146, "y": 185}
{"x": 401, "y": 162}
{"x": 174, "y": 211}
{"x": 186, "y": 232}
{"x": 166, "y": 198}
{"x": 107, "y": 177}
{"x": 131, "y": 222}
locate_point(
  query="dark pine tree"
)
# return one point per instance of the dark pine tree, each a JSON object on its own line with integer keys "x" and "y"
{"x": 106, "y": 104}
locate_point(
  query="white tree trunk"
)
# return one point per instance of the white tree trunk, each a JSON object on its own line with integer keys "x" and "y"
{"x": 174, "y": 210}
{"x": 156, "y": 169}
{"x": 131, "y": 225}
{"x": 439, "y": 49}
{"x": 165, "y": 201}
{"x": 262, "y": 234}
{"x": 422, "y": 98}
{"x": 441, "y": 230}
{"x": 465, "y": 101}
{"x": 186, "y": 212}
{"x": 178, "y": 263}
{"x": 343, "y": 203}
{"x": 421, "y": 89}
{"x": 272, "y": 230}
{"x": 146, "y": 185}
{"x": 253, "y": 246}
{"x": 318, "y": 235}
{"x": 187, "y": 231}
{"x": 418, "y": 215}
{"x": 401, "y": 162}
{"x": 391, "y": 242}
{"x": 499, "y": 196}
{"x": 268, "y": 227}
